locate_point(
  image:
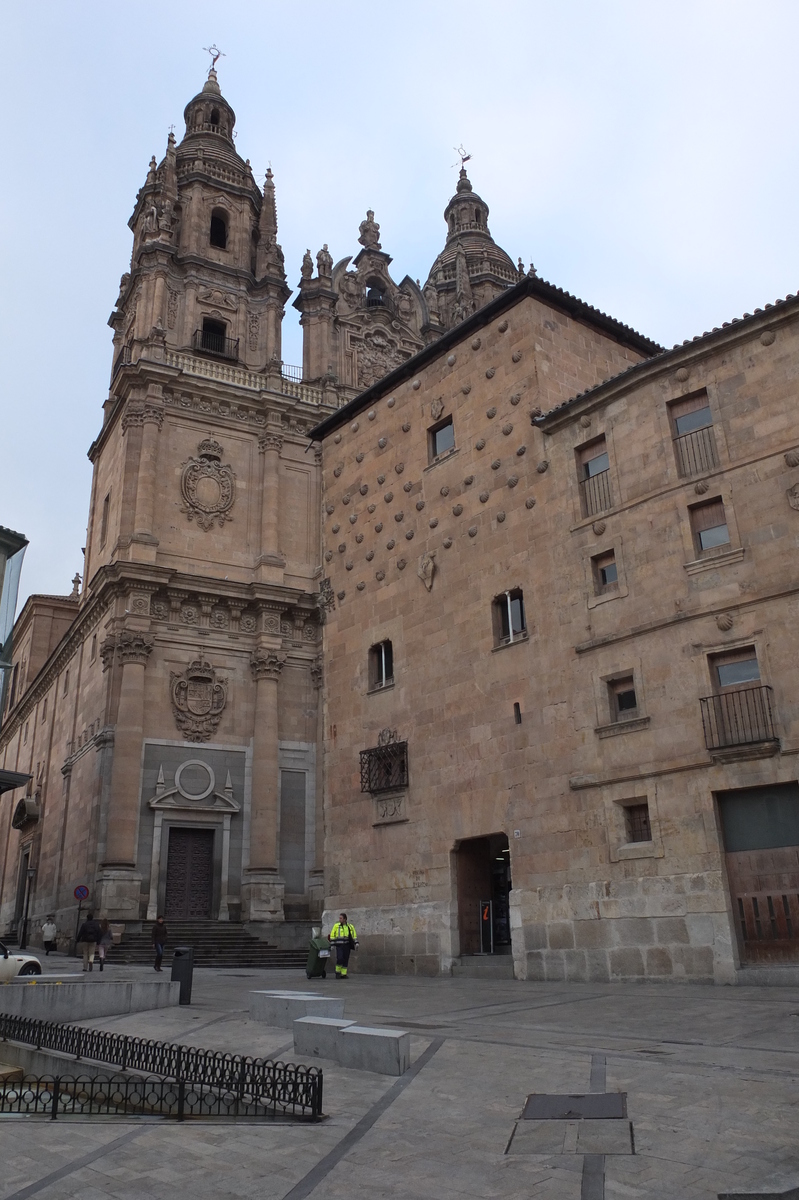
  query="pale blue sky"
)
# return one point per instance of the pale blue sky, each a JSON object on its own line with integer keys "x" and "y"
{"x": 643, "y": 154}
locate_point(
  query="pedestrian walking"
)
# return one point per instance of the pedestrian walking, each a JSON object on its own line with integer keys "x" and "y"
{"x": 345, "y": 939}
{"x": 89, "y": 934}
{"x": 50, "y": 935}
{"x": 159, "y": 941}
{"x": 106, "y": 939}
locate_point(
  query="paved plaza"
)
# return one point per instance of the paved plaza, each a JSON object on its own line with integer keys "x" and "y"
{"x": 711, "y": 1076}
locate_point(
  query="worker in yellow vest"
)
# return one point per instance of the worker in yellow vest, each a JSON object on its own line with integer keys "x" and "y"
{"x": 345, "y": 939}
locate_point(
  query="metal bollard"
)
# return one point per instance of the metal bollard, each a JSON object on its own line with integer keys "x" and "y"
{"x": 183, "y": 971}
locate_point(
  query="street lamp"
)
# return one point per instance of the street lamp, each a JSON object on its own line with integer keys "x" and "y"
{"x": 23, "y": 941}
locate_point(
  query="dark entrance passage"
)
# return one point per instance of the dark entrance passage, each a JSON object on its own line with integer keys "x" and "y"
{"x": 189, "y": 874}
{"x": 483, "y": 877}
{"x": 761, "y": 839}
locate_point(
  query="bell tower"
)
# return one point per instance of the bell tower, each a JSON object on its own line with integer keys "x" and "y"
{"x": 204, "y": 547}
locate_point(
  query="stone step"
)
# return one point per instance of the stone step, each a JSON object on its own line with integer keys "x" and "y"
{"x": 483, "y": 966}
{"x": 215, "y": 944}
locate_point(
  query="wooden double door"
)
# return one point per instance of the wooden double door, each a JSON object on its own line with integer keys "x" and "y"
{"x": 190, "y": 874}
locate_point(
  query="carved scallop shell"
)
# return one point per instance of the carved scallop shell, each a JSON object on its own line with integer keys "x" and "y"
{"x": 370, "y": 508}
{"x": 406, "y": 427}
{"x": 701, "y": 487}
{"x": 522, "y": 450}
{"x": 335, "y": 528}
{"x": 348, "y": 566}
{"x": 359, "y": 538}
{"x": 353, "y": 518}
{"x": 389, "y": 496}
{"x": 371, "y": 414}
{"x": 401, "y": 564}
{"x": 507, "y": 429}
{"x": 792, "y": 458}
{"x": 337, "y": 470}
{"x": 503, "y": 327}
{"x": 433, "y": 522}
{"x": 767, "y": 337}
{"x": 491, "y": 372}
{"x": 363, "y": 489}
{"x": 359, "y": 457}
{"x": 419, "y": 505}
{"x": 491, "y": 413}
{"x": 340, "y": 595}
{"x": 447, "y": 543}
{"x": 530, "y": 502}
{"x": 329, "y": 508}
{"x": 500, "y": 517}
{"x": 480, "y": 444}
{"x": 360, "y": 586}
{"x": 328, "y": 555}
{"x": 496, "y": 464}
{"x": 355, "y": 427}
{"x": 599, "y": 527}
{"x": 513, "y": 480}
{"x": 370, "y": 555}
{"x": 467, "y": 387}
{"x": 382, "y": 442}
{"x": 457, "y": 509}
{"x": 451, "y": 360}
{"x": 399, "y": 516}
{"x": 337, "y": 438}
{"x": 516, "y": 356}
{"x": 515, "y": 398}
{"x": 342, "y": 548}
{"x": 346, "y": 499}
{"x": 381, "y": 479}
{"x": 681, "y": 374}
{"x": 391, "y": 401}
{"x": 379, "y": 527}
{"x": 417, "y": 383}
{"x": 407, "y": 487}
{"x": 469, "y": 480}
{"x": 585, "y": 422}
{"x": 543, "y": 466}
{"x": 445, "y": 490}
{"x": 390, "y": 544}
{"x": 476, "y": 343}
{"x": 409, "y": 534}
{"x": 380, "y": 575}
{"x": 472, "y": 531}
{"x": 484, "y": 497}
{"x": 725, "y": 622}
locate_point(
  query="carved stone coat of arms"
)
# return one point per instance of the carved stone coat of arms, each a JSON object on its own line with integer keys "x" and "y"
{"x": 207, "y": 487}
{"x": 198, "y": 700}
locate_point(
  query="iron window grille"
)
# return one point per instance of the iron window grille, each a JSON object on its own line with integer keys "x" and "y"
{"x": 384, "y": 768}
{"x": 636, "y": 818}
{"x": 738, "y": 718}
{"x": 209, "y": 341}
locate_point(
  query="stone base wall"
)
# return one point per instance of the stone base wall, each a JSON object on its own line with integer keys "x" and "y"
{"x": 406, "y": 939}
{"x": 674, "y": 928}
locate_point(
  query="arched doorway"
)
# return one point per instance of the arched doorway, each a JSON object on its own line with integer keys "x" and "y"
{"x": 484, "y": 883}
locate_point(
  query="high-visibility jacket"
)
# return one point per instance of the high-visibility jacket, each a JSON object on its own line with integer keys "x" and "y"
{"x": 340, "y": 934}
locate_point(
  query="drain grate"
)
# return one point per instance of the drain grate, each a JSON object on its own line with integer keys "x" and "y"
{"x": 596, "y": 1106}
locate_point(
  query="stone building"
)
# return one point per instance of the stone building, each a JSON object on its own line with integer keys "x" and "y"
{"x": 561, "y": 716}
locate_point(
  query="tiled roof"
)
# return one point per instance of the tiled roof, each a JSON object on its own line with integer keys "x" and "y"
{"x": 675, "y": 351}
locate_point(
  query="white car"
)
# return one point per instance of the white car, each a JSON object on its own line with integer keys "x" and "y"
{"x": 12, "y": 965}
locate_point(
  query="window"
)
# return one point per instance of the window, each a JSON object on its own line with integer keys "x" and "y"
{"x": 735, "y": 669}
{"x": 381, "y": 666}
{"x": 66, "y": 683}
{"x": 594, "y": 475}
{"x": 214, "y": 335}
{"x": 605, "y": 571}
{"x": 384, "y": 768}
{"x": 104, "y": 520}
{"x": 25, "y": 734}
{"x": 93, "y": 651}
{"x": 375, "y": 296}
{"x": 509, "y": 620}
{"x": 219, "y": 226}
{"x": 44, "y": 709}
{"x": 440, "y": 439}
{"x": 692, "y": 431}
{"x": 214, "y": 116}
{"x": 636, "y": 822}
{"x": 709, "y": 525}
{"x": 623, "y": 700}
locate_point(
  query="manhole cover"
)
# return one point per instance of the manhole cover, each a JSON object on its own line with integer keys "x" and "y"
{"x": 591, "y": 1106}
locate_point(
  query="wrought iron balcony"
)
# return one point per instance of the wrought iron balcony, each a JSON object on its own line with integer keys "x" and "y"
{"x": 738, "y": 718}
{"x": 217, "y": 344}
{"x": 696, "y": 451}
{"x": 384, "y": 768}
{"x": 595, "y": 493}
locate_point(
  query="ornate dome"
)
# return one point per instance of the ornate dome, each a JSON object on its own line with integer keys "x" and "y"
{"x": 472, "y": 268}
{"x": 209, "y": 126}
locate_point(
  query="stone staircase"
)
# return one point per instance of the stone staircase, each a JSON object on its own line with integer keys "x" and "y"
{"x": 216, "y": 944}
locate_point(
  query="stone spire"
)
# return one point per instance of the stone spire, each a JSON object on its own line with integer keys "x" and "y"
{"x": 269, "y": 258}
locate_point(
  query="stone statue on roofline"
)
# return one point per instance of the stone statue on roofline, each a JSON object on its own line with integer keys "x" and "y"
{"x": 369, "y": 231}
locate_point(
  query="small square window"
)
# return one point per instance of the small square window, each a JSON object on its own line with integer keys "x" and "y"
{"x": 510, "y": 624}
{"x": 606, "y": 573}
{"x": 709, "y": 526}
{"x": 623, "y": 700}
{"x": 381, "y": 666}
{"x": 692, "y": 431}
{"x": 636, "y": 822}
{"x": 736, "y": 669}
{"x": 441, "y": 439}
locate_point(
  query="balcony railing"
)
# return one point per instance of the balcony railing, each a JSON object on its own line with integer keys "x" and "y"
{"x": 696, "y": 451}
{"x": 595, "y": 492}
{"x": 739, "y": 718}
{"x": 292, "y": 373}
{"x": 215, "y": 343}
{"x": 384, "y": 768}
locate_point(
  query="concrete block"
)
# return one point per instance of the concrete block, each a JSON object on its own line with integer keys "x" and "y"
{"x": 282, "y": 1009}
{"x": 56, "y": 999}
{"x": 319, "y": 1036}
{"x": 384, "y": 1051}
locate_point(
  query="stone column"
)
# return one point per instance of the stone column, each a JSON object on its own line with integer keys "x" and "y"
{"x": 151, "y": 416}
{"x": 118, "y": 881}
{"x": 270, "y": 562}
{"x": 316, "y": 883}
{"x": 262, "y": 891}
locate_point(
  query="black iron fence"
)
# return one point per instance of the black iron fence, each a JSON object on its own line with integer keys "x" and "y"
{"x": 290, "y": 1089}
{"x": 117, "y": 1095}
{"x": 595, "y": 492}
{"x": 211, "y": 342}
{"x": 738, "y": 718}
{"x": 696, "y": 451}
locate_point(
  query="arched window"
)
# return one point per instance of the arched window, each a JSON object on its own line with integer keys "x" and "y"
{"x": 477, "y": 215}
{"x": 214, "y": 336}
{"x": 218, "y": 236}
{"x": 214, "y": 116}
{"x": 375, "y": 296}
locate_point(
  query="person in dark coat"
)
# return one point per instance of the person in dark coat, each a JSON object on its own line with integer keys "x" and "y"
{"x": 89, "y": 934}
{"x": 159, "y": 941}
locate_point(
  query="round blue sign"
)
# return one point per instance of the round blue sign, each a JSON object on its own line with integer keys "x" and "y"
{"x": 81, "y": 892}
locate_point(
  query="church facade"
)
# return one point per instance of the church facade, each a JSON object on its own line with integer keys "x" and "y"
{"x": 477, "y": 626}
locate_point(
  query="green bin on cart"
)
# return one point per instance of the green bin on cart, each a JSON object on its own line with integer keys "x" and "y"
{"x": 318, "y": 958}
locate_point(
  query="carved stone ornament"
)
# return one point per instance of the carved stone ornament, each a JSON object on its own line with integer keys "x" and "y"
{"x": 681, "y": 374}
{"x": 198, "y": 700}
{"x": 792, "y": 458}
{"x": 436, "y": 408}
{"x": 701, "y": 487}
{"x": 134, "y": 647}
{"x": 265, "y": 664}
{"x": 793, "y": 496}
{"x": 207, "y": 487}
{"x": 387, "y": 737}
{"x": 427, "y": 568}
{"x": 725, "y": 622}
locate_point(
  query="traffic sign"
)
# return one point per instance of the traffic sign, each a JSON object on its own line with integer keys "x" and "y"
{"x": 81, "y": 892}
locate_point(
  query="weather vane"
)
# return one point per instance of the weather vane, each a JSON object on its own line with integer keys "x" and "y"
{"x": 462, "y": 155}
{"x": 215, "y": 53}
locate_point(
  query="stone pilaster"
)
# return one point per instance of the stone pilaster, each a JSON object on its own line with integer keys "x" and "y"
{"x": 270, "y": 562}
{"x": 263, "y": 889}
{"x": 118, "y": 881}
